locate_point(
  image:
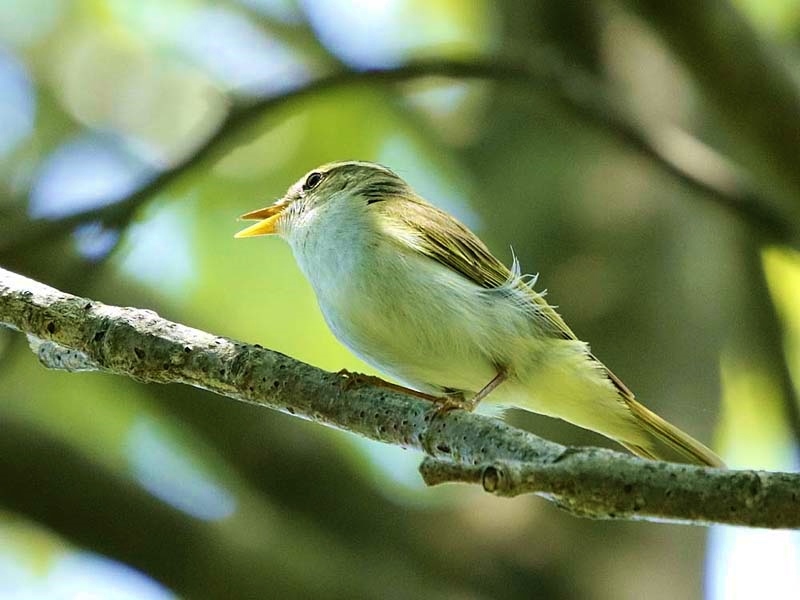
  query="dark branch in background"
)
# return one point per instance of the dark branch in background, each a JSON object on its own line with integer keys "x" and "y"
{"x": 744, "y": 82}
{"x": 675, "y": 152}
{"x": 75, "y": 333}
{"x": 765, "y": 342}
{"x": 753, "y": 94}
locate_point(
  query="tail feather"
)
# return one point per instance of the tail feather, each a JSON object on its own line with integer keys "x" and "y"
{"x": 666, "y": 432}
{"x": 663, "y": 431}
{"x": 638, "y": 450}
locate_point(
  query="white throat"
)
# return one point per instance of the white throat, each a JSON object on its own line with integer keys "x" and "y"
{"x": 329, "y": 243}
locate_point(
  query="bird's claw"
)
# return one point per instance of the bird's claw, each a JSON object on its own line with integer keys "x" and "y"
{"x": 351, "y": 380}
{"x": 451, "y": 402}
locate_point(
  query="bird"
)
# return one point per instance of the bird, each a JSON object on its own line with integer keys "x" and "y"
{"x": 417, "y": 295}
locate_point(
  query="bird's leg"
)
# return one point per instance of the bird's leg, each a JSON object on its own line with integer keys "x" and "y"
{"x": 448, "y": 402}
{"x": 354, "y": 380}
{"x": 501, "y": 376}
{"x": 457, "y": 400}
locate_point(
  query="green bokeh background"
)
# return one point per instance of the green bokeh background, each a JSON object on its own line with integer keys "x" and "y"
{"x": 205, "y": 498}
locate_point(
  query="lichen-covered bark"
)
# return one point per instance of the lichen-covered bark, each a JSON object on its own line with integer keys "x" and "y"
{"x": 74, "y": 333}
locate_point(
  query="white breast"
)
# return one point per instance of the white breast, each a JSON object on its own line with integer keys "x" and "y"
{"x": 400, "y": 311}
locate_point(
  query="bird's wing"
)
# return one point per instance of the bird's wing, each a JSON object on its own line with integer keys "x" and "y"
{"x": 437, "y": 235}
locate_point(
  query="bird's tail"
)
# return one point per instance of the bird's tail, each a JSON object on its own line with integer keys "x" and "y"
{"x": 665, "y": 432}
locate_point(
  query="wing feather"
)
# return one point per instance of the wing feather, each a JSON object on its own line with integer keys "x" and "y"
{"x": 440, "y": 237}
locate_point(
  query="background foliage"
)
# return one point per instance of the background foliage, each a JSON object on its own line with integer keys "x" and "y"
{"x": 109, "y": 188}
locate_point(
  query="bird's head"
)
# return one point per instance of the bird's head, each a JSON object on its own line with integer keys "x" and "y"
{"x": 340, "y": 187}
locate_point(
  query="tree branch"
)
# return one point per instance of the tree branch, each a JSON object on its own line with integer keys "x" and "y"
{"x": 466, "y": 447}
{"x": 601, "y": 484}
{"x": 673, "y": 151}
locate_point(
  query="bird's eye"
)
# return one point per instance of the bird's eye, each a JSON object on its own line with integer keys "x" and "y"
{"x": 312, "y": 181}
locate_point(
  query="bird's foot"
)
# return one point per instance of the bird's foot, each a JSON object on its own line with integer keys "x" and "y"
{"x": 351, "y": 380}
{"x": 453, "y": 401}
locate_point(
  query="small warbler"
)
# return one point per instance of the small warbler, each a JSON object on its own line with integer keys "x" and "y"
{"x": 416, "y": 294}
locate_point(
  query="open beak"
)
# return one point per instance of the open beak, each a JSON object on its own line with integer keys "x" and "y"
{"x": 267, "y": 220}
